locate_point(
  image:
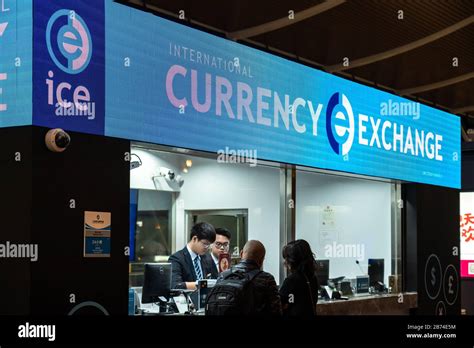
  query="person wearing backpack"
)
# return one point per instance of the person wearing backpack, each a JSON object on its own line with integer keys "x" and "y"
{"x": 245, "y": 289}
{"x": 299, "y": 291}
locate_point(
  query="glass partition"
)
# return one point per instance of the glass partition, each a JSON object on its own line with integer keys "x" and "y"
{"x": 177, "y": 190}
{"x": 352, "y": 224}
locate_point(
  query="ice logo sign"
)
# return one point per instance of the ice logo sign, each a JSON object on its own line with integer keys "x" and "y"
{"x": 340, "y": 125}
{"x": 69, "y": 41}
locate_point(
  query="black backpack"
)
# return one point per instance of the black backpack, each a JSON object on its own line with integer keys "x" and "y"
{"x": 233, "y": 295}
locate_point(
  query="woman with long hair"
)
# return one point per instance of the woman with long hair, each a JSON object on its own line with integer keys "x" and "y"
{"x": 299, "y": 291}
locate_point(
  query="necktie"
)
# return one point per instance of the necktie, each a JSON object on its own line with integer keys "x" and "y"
{"x": 197, "y": 268}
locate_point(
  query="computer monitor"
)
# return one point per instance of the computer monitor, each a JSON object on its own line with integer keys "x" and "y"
{"x": 376, "y": 271}
{"x": 322, "y": 272}
{"x": 157, "y": 282}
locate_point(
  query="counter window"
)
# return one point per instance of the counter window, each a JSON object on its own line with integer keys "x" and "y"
{"x": 176, "y": 191}
{"x": 351, "y": 225}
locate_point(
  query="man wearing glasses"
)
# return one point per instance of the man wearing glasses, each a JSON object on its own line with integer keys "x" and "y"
{"x": 220, "y": 246}
{"x": 189, "y": 264}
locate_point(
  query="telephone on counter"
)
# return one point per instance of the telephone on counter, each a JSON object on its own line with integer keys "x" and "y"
{"x": 380, "y": 287}
{"x": 329, "y": 293}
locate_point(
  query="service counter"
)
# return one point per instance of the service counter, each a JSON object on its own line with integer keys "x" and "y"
{"x": 384, "y": 304}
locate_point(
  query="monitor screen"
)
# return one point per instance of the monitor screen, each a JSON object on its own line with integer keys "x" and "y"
{"x": 376, "y": 271}
{"x": 322, "y": 271}
{"x": 157, "y": 282}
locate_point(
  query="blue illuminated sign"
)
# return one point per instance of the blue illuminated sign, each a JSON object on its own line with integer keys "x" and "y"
{"x": 105, "y": 68}
{"x": 69, "y": 72}
{"x": 15, "y": 62}
{"x": 187, "y": 88}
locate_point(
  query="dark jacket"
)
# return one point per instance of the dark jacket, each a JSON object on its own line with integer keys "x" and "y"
{"x": 212, "y": 266}
{"x": 266, "y": 297}
{"x": 183, "y": 268}
{"x": 296, "y": 295}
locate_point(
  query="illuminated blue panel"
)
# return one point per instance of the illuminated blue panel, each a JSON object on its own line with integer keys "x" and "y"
{"x": 15, "y": 62}
{"x": 173, "y": 85}
{"x": 69, "y": 73}
{"x": 243, "y": 98}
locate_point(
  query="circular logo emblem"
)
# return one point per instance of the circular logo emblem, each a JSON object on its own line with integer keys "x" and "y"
{"x": 69, "y": 41}
{"x": 340, "y": 124}
{"x": 433, "y": 276}
{"x": 450, "y": 284}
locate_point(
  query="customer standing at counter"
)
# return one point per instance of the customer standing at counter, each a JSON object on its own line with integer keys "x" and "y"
{"x": 258, "y": 293}
{"x": 299, "y": 292}
{"x": 189, "y": 264}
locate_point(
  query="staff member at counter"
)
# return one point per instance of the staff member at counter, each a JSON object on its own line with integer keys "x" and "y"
{"x": 189, "y": 264}
{"x": 220, "y": 246}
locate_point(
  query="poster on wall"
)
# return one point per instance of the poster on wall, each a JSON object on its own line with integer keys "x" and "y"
{"x": 467, "y": 234}
{"x": 97, "y": 229}
{"x": 328, "y": 233}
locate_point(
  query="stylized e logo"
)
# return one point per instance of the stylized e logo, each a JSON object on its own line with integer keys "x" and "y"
{"x": 340, "y": 124}
{"x": 72, "y": 39}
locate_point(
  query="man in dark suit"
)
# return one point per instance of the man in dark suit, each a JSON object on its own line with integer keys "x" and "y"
{"x": 189, "y": 264}
{"x": 220, "y": 246}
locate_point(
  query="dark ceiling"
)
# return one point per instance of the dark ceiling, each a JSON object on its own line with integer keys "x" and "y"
{"x": 355, "y": 29}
